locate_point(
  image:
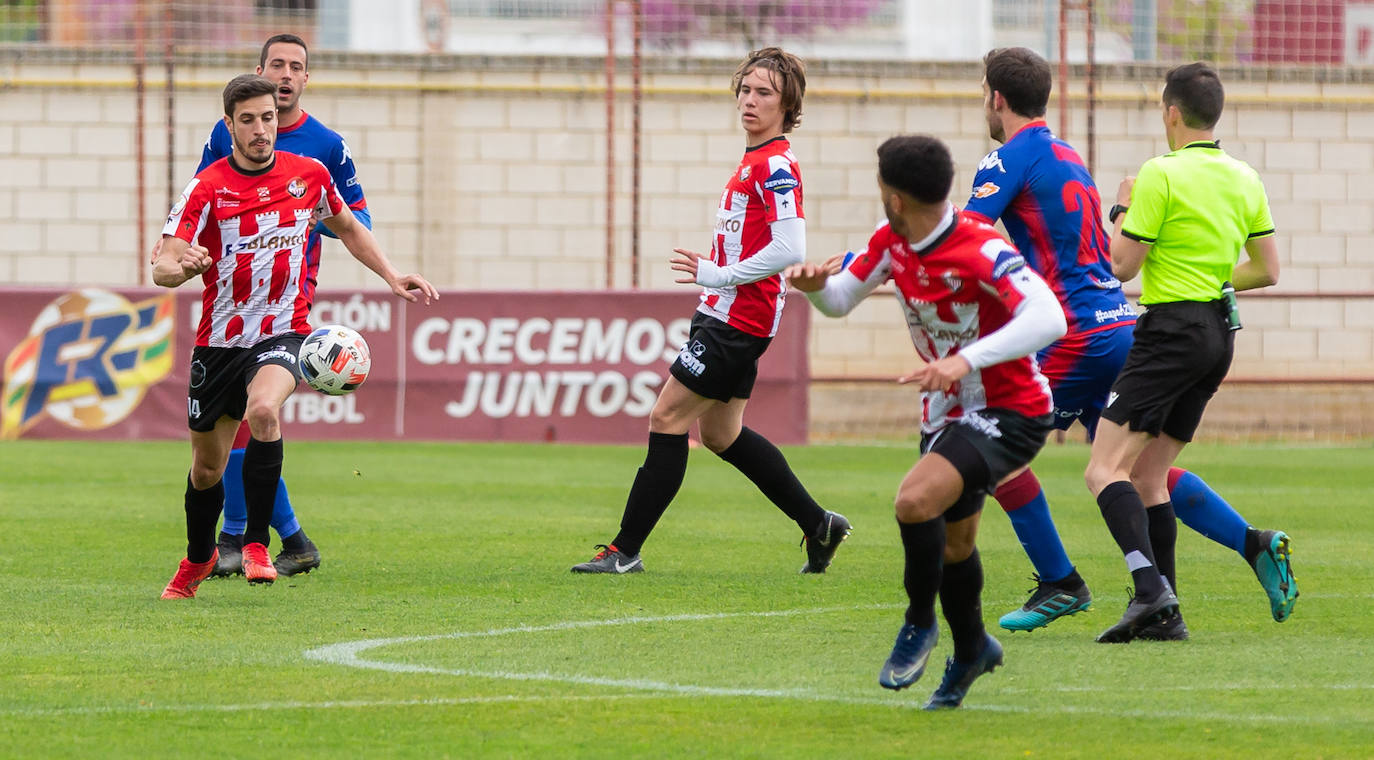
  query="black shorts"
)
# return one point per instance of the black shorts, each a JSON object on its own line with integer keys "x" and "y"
{"x": 719, "y": 361}
{"x": 1182, "y": 352}
{"x": 985, "y": 447}
{"x": 220, "y": 377}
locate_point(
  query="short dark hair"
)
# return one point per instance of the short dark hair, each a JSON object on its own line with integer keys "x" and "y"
{"x": 290, "y": 38}
{"x": 791, "y": 80}
{"x": 1196, "y": 89}
{"x": 246, "y": 87}
{"x": 918, "y": 165}
{"x": 1023, "y": 78}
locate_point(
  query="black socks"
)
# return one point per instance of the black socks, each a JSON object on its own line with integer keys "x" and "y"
{"x": 961, "y": 600}
{"x": 655, "y": 485}
{"x": 1124, "y": 513}
{"x": 924, "y": 544}
{"x": 1163, "y": 536}
{"x": 261, "y": 471}
{"x": 202, "y": 514}
{"x": 762, "y": 463}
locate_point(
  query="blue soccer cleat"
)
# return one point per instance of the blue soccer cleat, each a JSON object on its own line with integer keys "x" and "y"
{"x": 1274, "y": 568}
{"x": 910, "y": 654}
{"x": 961, "y": 675}
{"x": 1048, "y": 602}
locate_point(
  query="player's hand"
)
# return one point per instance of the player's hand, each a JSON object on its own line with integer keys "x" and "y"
{"x": 157, "y": 249}
{"x": 808, "y": 277}
{"x": 1123, "y": 191}
{"x": 941, "y": 375}
{"x": 686, "y": 262}
{"x": 402, "y": 286}
{"x": 195, "y": 261}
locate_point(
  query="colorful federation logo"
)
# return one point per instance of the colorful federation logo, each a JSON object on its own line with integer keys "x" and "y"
{"x": 89, "y": 358}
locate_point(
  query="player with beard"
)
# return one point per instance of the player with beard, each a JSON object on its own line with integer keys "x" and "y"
{"x": 256, "y": 303}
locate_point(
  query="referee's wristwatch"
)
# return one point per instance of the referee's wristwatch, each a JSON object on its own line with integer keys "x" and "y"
{"x": 1117, "y": 210}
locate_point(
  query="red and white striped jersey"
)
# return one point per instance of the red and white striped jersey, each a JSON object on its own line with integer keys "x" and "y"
{"x": 964, "y": 286}
{"x": 765, "y": 187}
{"x": 255, "y": 226}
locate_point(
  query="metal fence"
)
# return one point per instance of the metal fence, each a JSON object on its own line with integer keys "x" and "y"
{"x": 1323, "y": 33}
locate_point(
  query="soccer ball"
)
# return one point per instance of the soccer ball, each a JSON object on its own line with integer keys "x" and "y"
{"x": 334, "y": 360}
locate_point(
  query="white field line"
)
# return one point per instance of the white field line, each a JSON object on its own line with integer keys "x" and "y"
{"x": 344, "y": 704}
{"x": 347, "y": 654}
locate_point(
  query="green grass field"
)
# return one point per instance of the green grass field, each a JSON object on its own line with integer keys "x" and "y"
{"x": 444, "y": 621}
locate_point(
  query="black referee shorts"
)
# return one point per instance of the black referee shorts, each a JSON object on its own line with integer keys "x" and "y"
{"x": 1182, "y": 352}
{"x": 718, "y": 361}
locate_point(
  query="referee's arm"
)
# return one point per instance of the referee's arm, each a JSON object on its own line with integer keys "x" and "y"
{"x": 1127, "y": 252}
{"x": 1262, "y": 267}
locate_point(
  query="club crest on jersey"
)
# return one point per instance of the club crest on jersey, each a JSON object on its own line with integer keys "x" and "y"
{"x": 990, "y": 161}
{"x": 744, "y": 174}
{"x": 780, "y": 181}
{"x": 985, "y": 190}
{"x": 952, "y": 280}
{"x": 264, "y": 194}
{"x": 1008, "y": 261}
{"x": 296, "y": 187}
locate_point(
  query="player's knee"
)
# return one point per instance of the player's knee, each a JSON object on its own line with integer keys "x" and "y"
{"x": 1099, "y": 477}
{"x": 916, "y": 507}
{"x": 263, "y": 420}
{"x": 204, "y": 475}
{"x": 958, "y": 547}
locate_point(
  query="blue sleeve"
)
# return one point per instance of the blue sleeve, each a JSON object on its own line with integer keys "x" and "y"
{"x": 345, "y": 176}
{"x": 994, "y": 186}
{"x": 217, "y": 146}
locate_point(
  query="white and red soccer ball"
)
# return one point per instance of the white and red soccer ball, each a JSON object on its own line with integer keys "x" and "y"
{"x": 335, "y": 360}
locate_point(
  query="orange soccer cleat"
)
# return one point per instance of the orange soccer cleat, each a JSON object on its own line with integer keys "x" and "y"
{"x": 257, "y": 565}
{"x": 189, "y": 575}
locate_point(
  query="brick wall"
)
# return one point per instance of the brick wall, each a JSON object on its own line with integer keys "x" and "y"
{"x": 490, "y": 173}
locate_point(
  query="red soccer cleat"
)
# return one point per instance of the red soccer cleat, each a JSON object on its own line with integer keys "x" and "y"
{"x": 189, "y": 575}
{"x": 257, "y": 565}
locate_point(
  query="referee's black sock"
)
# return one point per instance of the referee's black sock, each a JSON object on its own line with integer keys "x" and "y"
{"x": 961, "y": 592}
{"x": 1163, "y": 536}
{"x": 762, "y": 463}
{"x": 261, "y": 471}
{"x": 655, "y": 485}
{"x": 924, "y": 545}
{"x": 202, "y": 513}
{"x": 1124, "y": 513}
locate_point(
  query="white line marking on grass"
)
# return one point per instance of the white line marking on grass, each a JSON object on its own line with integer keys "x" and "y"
{"x": 347, "y": 654}
{"x": 344, "y": 704}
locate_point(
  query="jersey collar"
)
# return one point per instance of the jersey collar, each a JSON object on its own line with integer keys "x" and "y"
{"x": 297, "y": 125}
{"x": 1213, "y": 144}
{"x": 252, "y": 172}
{"x": 938, "y": 235}
{"x": 1029, "y": 125}
{"x": 766, "y": 142}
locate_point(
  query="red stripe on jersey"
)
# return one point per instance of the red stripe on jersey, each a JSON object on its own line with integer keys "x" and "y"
{"x": 243, "y": 277}
{"x": 267, "y": 324}
{"x": 234, "y": 328}
{"x": 281, "y": 275}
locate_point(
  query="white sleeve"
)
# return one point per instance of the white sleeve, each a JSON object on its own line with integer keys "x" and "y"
{"x": 788, "y": 247}
{"x": 844, "y": 291}
{"x": 1036, "y": 322}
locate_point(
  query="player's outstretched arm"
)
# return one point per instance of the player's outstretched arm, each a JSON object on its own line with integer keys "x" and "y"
{"x": 360, "y": 242}
{"x": 178, "y": 261}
